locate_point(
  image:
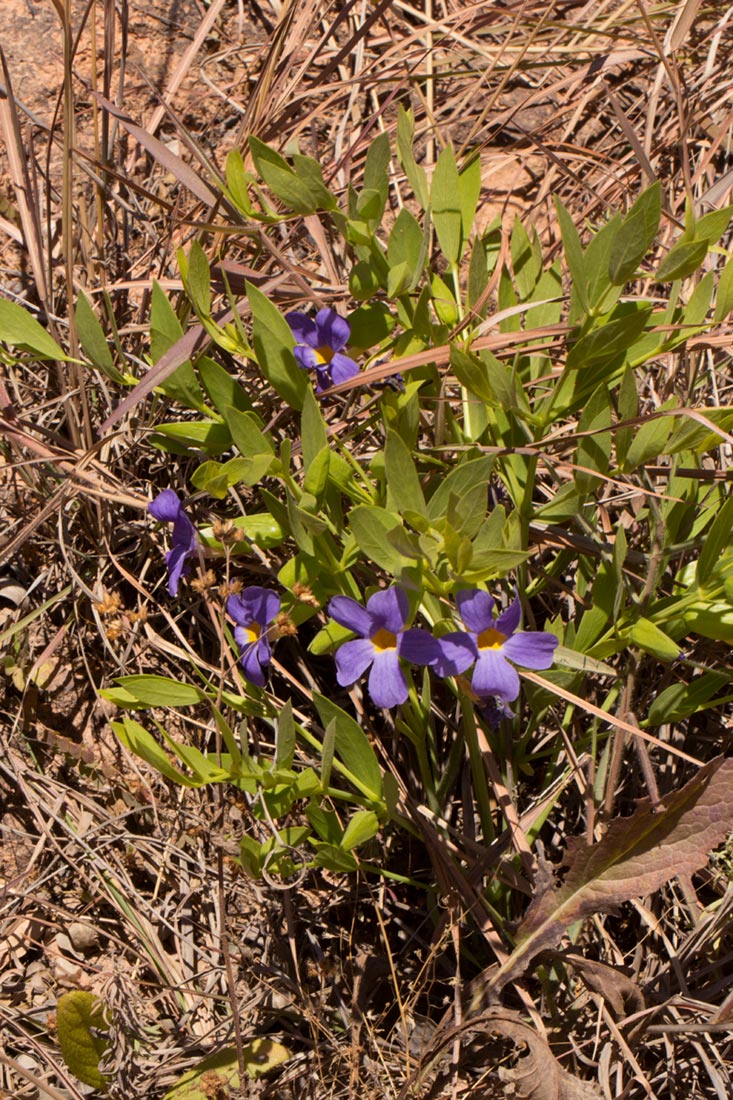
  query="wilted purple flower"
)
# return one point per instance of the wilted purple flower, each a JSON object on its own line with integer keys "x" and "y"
{"x": 494, "y": 710}
{"x": 253, "y": 610}
{"x": 168, "y": 509}
{"x": 383, "y": 641}
{"x": 492, "y": 644}
{"x": 319, "y": 346}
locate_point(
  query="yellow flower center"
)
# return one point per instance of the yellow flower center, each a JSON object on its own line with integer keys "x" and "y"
{"x": 384, "y": 639}
{"x": 491, "y": 639}
{"x": 253, "y": 632}
{"x": 325, "y": 353}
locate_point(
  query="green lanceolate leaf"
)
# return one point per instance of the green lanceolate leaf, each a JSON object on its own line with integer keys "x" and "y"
{"x": 352, "y": 747}
{"x": 573, "y": 255}
{"x": 159, "y": 691}
{"x": 717, "y": 539}
{"x": 416, "y": 176}
{"x": 403, "y": 483}
{"x": 20, "y": 330}
{"x": 635, "y": 235}
{"x": 273, "y": 344}
{"x": 445, "y": 201}
{"x": 93, "y": 341}
{"x": 683, "y": 259}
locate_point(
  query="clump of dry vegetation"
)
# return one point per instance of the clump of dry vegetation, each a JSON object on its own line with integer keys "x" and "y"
{"x": 534, "y": 912}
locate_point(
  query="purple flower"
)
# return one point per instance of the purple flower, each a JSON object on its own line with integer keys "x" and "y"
{"x": 382, "y": 642}
{"x": 319, "y": 346}
{"x": 492, "y": 644}
{"x": 168, "y": 509}
{"x": 253, "y": 610}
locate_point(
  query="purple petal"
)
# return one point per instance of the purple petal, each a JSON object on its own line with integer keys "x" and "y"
{"x": 419, "y": 647}
{"x": 333, "y": 331}
{"x": 343, "y": 368}
{"x": 387, "y": 684}
{"x": 475, "y": 607}
{"x": 352, "y": 660}
{"x": 175, "y": 559}
{"x": 184, "y": 534}
{"x": 254, "y": 605}
{"x": 303, "y": 329}
{"x": 254, "y": 657}
{"x": 510, "y": 619}
{"x": 493, "y": 675}
{"x": 388, "y": 610}
{"x": 457, "y": 652}
{"x": 323, "y": 378}
{"x": 349, "y": 613}
{"x": 531, "y": 648}
{"x": 166, "y": 507}
{"x": 305, "y": 357}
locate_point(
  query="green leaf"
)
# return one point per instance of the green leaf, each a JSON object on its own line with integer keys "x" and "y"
{"x": 198, "y": 280}
{"x": 445, "y": 200}
{"x": 361, "y": 828}
{"x": 237, "y": 182}
{"x": 469, "y": 185}
{"x": 247, "y": 436}
{"x": 405, "y": 245}
{"x": 376, "y": 176}
{"x": 573, "y": 254}
{"x": 597, "y": 257}
{"x": 221, "y": 1071}
{"x": 285, "y": 737}
{"x": 313, "y": 434}
{"x": 20, "y": 330}
{"x": 679, "y": 701}
{"x": 635, "y": 235}
{"x": 353, "y": 748}
{"x": 301, "y": 189}
{"x": 221, "y": 387}
{"x": 405, "y": 490}
{"x": 416, "y": 175}
{"x": 461, "y": 480}
{"x": 594, "y": 451}
{"x": 610, "y": 339}
{"x": 526, "y": 263}
{"x": 724, "y": 294}
{"x": 165, "y": 330}
{"x": 371, "y": 324}
{"x": 159, "y": 691}
{"x": 712, "y": 226}
{"x": 683, "y": 259}
{"x": 273, "y": 344}
{"x": 93, "y": 341}
{"x": 370, "y": 526}
{"x": 79, "y": 1020}
{"x": 650, "y": 638}
{"x": 717, "y": 539}
{"x": 648, "y": 442}
{"x": 137, "y": 739}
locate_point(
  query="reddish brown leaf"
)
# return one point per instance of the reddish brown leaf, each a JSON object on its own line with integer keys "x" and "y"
{"x": 637, "y": 855}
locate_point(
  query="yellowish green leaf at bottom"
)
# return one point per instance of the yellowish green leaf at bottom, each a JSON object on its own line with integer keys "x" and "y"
{"x": 79, "y": 1019}
{"x": 260, "y": 1056}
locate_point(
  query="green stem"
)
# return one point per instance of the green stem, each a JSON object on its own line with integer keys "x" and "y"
{"x": 478, "y": 772}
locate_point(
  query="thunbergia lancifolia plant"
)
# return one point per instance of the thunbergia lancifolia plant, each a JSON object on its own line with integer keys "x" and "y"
{"x": 416, "y": 584}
